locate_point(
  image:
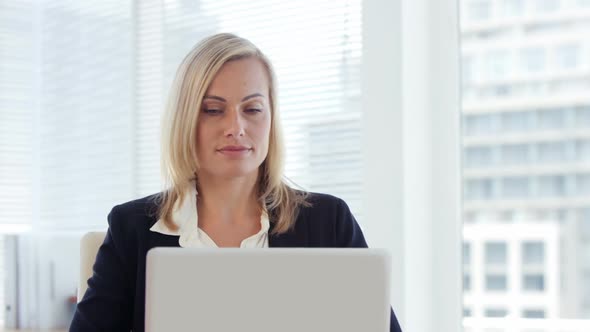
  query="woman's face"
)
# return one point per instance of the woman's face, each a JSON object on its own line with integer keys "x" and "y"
{"x": 233, "y": 128}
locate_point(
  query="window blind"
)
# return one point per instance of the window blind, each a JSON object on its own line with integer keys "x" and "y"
{"x": 16, "y": 119}
{"x": 86, "y": 111}
{"x": 103, "y": 72}
{"x": 149, "y": 95}
{"x": 16, "y": 115}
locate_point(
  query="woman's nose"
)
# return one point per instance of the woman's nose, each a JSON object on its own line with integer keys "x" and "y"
{"x": 234, "y": 124}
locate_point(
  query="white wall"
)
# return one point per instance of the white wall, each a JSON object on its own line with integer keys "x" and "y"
{"x": 411, "y": 144}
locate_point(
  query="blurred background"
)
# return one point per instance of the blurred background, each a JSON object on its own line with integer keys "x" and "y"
{"x": 526, "y": 161}
{"x": 83, "y": 83}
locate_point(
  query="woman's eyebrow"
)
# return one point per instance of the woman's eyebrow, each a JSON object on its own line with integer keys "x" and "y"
{"x": 243, "y": 99}
{"x": 252, "y": 96}
{"x": 215, "y": 97}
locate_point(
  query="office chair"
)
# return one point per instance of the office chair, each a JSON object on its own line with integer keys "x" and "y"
{"x": 89, "y": 245}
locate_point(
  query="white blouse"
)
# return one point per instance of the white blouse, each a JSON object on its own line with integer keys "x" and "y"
{"x": 191, "y": 236}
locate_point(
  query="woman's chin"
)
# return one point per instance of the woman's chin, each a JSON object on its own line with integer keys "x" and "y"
{"x": 234, "y": 171}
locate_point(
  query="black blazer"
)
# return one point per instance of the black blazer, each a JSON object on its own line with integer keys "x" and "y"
{"x": 115, "y": 297}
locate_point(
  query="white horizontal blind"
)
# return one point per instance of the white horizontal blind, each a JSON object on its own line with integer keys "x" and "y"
{"x": 149, "y": 95}
{"x": 104, "y": 71}
{"x": 86, "y": 111}
{"x": 16, "y": 118}
{"x": 16, "y": 114}
{"x": 315, "y": 47}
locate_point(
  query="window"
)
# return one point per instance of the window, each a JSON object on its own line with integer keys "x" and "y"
{"x": 551, "y": 119}
{"x": 479, "y": 124}
{"x": 466, "y": 254}
{"x": 512, "y": 8}
{"x": 533, "y": 282}
{"x": 478, "y": 189}
{"x": 567, "y": 56}
{"x": 501, "y": 90}
{"x": 533, "y": 313}
{"x": 480, "y": 156}
{"x": 533, "y": 253}
{"x": 583, "y": 216}
{"x": 467, "y": 312}
{"x": 507, "y": 215}
{"x": 516, "y": 121}
{"x": 497, "y": 64}
{"x": 551, "y": 186}
{"x": 496, "y": 283}
{"x": 583, "y": 116}
{"x": 583, "y": 184}
{"x": 515, "y": 187}
{"x": 466, "y": 263}
{"x": 532, "y": 60}
{"x": 496, "y": 312}
{"x": 582, "y": 148}
{"x": 534, "y": 88}
{"x": 546, "y": 6}
{"x": 478, "y": 9}
{"x": 467, "y": 69}
{"x": 495, "y": 253}
{"x": 544, "y": 215}
{"x": 515, "y": 154}
{"x": 466, "y": 282}
{"x": 551, "y": 152}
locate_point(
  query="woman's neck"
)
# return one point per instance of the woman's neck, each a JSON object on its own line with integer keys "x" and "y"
{"x": 228, "y": 201}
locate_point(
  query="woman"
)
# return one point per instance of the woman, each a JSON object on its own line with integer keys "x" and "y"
{"x": 222, "y": 158}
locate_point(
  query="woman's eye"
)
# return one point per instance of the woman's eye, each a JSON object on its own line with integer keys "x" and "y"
{"x": 212, "y": 111}
{"x": 253, "y": 110}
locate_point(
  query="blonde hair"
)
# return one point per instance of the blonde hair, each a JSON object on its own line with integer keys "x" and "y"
{"x": 179, "y": 151}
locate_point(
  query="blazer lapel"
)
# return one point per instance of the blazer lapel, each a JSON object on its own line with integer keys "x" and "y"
{"x": 162, "y": 240}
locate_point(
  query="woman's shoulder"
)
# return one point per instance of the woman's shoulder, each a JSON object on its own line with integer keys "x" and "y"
{"x": 329, "y": 222}
{"x": 137, "y": 213}
{"x": 323, "y": 208}
{"x": 319, "y": 202}
{"x": 140, "y": 205}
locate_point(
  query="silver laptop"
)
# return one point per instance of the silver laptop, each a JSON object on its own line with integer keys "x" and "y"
{"x": 276, "y": 289}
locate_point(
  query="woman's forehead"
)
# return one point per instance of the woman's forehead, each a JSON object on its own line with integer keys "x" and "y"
{"x": 238, "y": 79}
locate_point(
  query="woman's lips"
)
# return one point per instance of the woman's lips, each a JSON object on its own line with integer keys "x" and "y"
{"x": 234, "y": 151}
